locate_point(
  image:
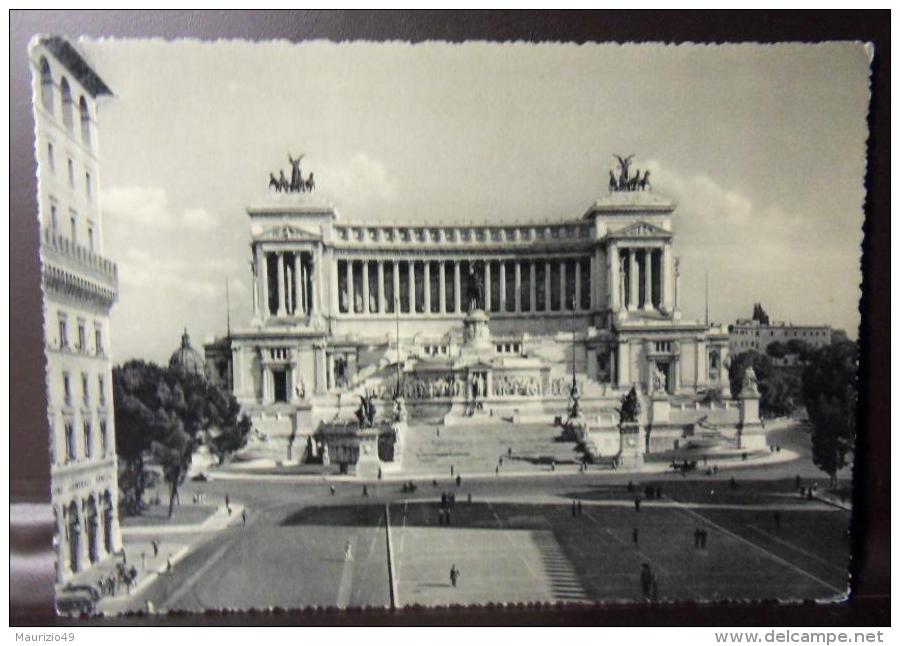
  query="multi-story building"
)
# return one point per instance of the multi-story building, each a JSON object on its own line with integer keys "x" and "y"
{"x": 507, "y": 314}
{"x": 751, "y": 334}
{"x": 80, "y": 286}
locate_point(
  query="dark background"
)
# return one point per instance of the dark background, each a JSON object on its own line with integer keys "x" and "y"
{"x": 29, "y": 460}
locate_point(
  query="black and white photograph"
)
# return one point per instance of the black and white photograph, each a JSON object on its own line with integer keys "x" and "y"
{"x": 389, "y": 325}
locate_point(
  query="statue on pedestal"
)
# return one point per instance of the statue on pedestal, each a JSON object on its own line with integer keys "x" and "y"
{"x": 659, "y": 380}
{"x": 475, "y": 291}
{"x": 749, "y": 385}
{"x": 631, "y": 407}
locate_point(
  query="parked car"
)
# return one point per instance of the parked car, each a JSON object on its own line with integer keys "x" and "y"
{"x": 77, "y": 600}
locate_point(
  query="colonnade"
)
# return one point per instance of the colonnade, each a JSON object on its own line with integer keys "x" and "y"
{"x": 440, "y": 286}
{"x": 640, "y": 277}
{"x": 286, "y": 284}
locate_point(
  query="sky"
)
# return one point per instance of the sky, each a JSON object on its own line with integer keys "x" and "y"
{"x": 762, "y": 147}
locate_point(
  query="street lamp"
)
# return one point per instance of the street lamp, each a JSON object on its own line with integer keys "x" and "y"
{"x": 574, "y": 410}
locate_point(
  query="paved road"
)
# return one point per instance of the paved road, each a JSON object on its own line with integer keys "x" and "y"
{"x": 291, "y": 553}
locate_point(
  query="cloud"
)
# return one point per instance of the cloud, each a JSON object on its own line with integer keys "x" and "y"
{"x": 358, "y": 181}
{"x": 148, "y": 207}
{"x": 199, "y": 219}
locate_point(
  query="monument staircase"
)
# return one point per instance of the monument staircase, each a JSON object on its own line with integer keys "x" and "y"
{"x": 433, "y": 449}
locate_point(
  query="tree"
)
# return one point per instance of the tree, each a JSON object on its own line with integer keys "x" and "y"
{"x": 830, "y": 395}
{"x": 759, "y": 314}
{"x": 165, "y": 414}
{"x": 803, "y": 349}
{"x": 776, "y": 350}
{"x": 778, "y": 389}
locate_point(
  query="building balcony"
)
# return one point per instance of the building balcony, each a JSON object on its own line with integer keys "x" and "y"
{"x": 75, "y": 269}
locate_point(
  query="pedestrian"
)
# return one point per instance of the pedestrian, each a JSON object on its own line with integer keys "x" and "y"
{"x": 733, "y": 483}
{"x": 155, "y": 544}
{"x": 443, "y": 500}
{"x": 379, "y": 473}
{"x": 497, "y": 470}
{"x": 778, "y": 448}
{"x": 637, "y": 505}
{"x": 434, "y": 483}
{"x": 454, "y": 575}
{"x": 169, "y": 563}
{"x": 797, "y": 481}
{"x": 332, "y": 490}
{"x": 658, "y": 493}
{"x": 143, "y": 561}
{"x": 365, "y": 491}
{"x": 553, "y": 465}
{"x": 501, "y": 461}
{"x": 437, "y": 431}
{"x": 348, "y": 551}
{"x": 696, "y": 537}
{"x": 574, "y": 509}
{"x": 227, "y": 500}
{"x": 470, "y": 498}
{"x": 634, "y": 536}
{"x": 716, "y": 469}
{"x": 703, "y": 537}
{"x": 451, "y": 470}
{"x": 509, "y": 452}
{"x": 580, "y": 510}
{"x": 458, "y": 480}
{"x": 646, "y": 582}
{"x": 630, "y": 486}
{"x": 244, "y": 516}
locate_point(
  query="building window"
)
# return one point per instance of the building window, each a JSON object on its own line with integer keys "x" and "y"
{"x": 88, "y": 190}
{"x": 46, "y": 85}
{"x": 87, "y": 438}
{"x": 51, "y": 157}
{"x": 63, "y": 332}
{"x": 90, "y": 232}
{"x": 54, "y": 217}
{"x": 101, "y": 390}
{"x": 67, "y": 388}
{"x": 85, "y": 389}
{"x": 85, "y": 122}
{"x": 67, "y": 106}
{"x": 81, "y": 341}
{"x": 70, "y": 441}
{"x": 71, "y": 167}
{"x": 73, "y": 226}
{"x": 104, "y": 438}
{"x": 98, "y": 339}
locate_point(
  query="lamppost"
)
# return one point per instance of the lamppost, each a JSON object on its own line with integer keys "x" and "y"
{"x": 574, "y": 409}
{"x": 397, "y": 317}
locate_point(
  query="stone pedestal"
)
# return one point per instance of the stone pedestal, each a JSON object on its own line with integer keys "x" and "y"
{"x": 659, "y": 409}
{"x": 631, "y": 448}
{"x": 751, "y": 434}
{"x": 368, "y": 464}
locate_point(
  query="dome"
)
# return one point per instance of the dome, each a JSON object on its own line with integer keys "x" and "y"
{"x": 186, "y": 358}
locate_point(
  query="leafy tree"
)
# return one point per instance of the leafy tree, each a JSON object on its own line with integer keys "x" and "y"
{"x": 778, "y": 389}
{"x": 830, "y": 395}
{"x": 801, "y": 348}
{"x": 776, "y": 350}
{"x": 165, "y": 414}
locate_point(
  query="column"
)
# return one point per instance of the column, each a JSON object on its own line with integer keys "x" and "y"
{"x": 263, "y": 277}
{"x": 613, "y": 283}
{"x": 648, "y": 279}
{"x": 665, "y": 266}
{"x": 532, "y": 287}
{"x": 577, "y": 295}
{"x": 365, "y": 286}
{"x": 396, "y": 275}
{"x": 623, "y": 371}
{"x": 547, "y": 283}
{"x": 518, "y": 286}
{"x": 633, "y": 280}
{"x": 351, "y": 295}
{"x": 457, "y": 297}
{"x": 442, "y": 286}
{"x": 299, "y": 296}
{"x": 289, "y": 278}
{"x": 487, "y": 285}
{"x": 412, "y": 287}
{"x": 502, "y": 286}
{"x": 265, "y": 380}
{"x": 314, "y": 286}
{"x": 335, "y": 288}
{"x": 426, "y": 285}
{"x": 255, "y": 285}
{"x": 381, "y": 304}
{"x": 280, "y": 260}
{"x": 563, "y": 297}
